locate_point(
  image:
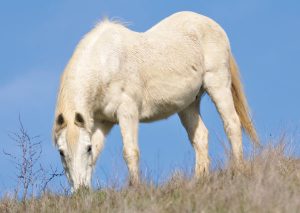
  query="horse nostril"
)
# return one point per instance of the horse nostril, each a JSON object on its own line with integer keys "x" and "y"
{"x": 89, "y": 149}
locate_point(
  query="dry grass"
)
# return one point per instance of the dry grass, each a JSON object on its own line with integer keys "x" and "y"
{"x": 269, "y": 182}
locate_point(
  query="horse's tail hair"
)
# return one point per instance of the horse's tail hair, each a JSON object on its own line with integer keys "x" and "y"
{"x": 240, "y": 102}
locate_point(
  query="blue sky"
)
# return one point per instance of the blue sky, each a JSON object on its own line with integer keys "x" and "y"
{"x": 38, "y": 38}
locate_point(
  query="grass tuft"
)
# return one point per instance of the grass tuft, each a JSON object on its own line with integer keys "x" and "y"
{"x": 268, "y": 182}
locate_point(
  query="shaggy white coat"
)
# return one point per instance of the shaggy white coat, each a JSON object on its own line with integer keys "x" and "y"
{"x": 119, "y": 76}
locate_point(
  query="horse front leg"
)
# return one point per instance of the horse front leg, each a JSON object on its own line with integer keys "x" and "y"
{"x": 128, "y": 121}
{"x": 100, "y": 130}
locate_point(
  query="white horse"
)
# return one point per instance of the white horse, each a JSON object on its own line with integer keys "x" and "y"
{"x": 117, "y": 76}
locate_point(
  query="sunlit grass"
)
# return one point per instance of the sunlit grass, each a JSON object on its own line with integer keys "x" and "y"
{"x": 268, "y": 182}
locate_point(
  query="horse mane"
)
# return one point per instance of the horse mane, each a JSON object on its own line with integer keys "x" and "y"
{"x": 65, "y": 109}
{"x": 107, "y": 22}
{"x": 113, "y": 21}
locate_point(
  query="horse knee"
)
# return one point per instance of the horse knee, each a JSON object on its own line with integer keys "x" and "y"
{"x": 131, "y": 155}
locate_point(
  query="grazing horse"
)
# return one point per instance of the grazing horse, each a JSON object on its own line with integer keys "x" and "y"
{"x": 118, "y": 76}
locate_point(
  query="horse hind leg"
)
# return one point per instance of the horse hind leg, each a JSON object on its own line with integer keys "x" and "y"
{"x": 218, "y": 86}
{"x": 198, "y": 136}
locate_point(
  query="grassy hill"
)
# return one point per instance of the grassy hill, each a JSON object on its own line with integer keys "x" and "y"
{"x": 268, "y": 182}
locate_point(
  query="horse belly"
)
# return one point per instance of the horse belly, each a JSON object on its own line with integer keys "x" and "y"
{"x": 168, "y": 95}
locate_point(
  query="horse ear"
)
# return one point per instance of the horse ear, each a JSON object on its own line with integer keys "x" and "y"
{"x": 79, "y": 121}
{"x": 60, "y": 122}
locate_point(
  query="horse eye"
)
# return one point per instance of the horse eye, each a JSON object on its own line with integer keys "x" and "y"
{"x": 89, "y": 149}
{"x": 61, "y": 153}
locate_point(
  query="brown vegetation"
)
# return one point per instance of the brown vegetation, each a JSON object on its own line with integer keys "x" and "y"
{"x": 268, "y": 182}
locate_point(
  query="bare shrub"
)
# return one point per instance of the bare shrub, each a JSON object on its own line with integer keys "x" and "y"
{"x": 32, "y": 177}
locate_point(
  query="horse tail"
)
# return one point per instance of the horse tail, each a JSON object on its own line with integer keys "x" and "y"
{"x": 240, "y": 102}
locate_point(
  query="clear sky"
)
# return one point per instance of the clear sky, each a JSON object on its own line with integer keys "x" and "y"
{"x": 38, "y": 37}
